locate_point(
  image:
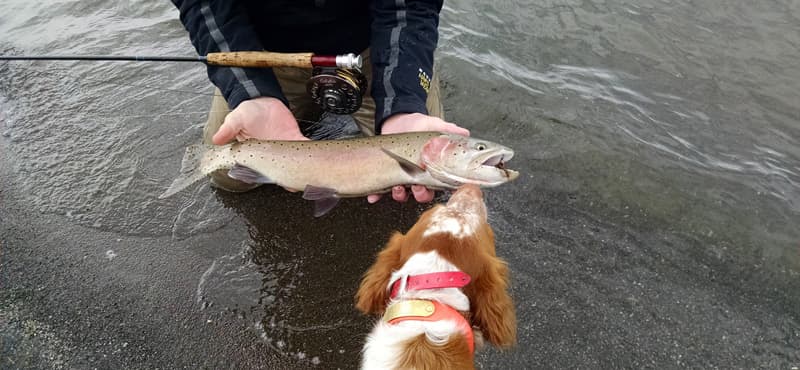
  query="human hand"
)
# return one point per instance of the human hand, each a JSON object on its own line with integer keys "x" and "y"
{"x": 264, "y": 118}
{"x": 410, "y": 122}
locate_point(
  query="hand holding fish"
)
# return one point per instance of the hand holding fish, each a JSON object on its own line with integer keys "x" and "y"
{"x": 263, "y": 118}
{"x": 400, "y": 123}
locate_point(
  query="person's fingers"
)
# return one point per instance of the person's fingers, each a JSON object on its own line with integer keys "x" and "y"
{"x": 399, "y": 193}
{"x": 227, "y": 132}
{"x": 422, "y": 194}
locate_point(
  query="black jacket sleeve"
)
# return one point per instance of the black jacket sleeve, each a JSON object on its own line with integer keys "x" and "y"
{"x": 404, "y": 37}
{"x": 220, "y": 26}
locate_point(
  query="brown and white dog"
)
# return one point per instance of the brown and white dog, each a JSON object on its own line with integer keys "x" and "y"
{"x": 434, "y": 286}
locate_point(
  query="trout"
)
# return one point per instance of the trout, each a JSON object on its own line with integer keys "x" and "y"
{"x": 327, "y": 170}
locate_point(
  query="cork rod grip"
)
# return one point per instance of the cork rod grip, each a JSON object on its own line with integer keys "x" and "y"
{"x": 259, "y": 59}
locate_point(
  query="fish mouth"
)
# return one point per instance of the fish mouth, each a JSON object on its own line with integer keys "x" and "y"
{"x": 498, "y": 159}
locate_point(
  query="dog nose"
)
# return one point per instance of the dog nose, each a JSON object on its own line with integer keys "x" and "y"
{"x": 469, "y": 199}
{"x": 468, "y": 191}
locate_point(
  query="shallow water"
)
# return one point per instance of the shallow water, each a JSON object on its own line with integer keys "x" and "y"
{"x": 654, "y": 223}
{"x": 701, "y": 99}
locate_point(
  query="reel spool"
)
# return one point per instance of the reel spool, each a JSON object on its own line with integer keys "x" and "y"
{"x": 335, "y": 90}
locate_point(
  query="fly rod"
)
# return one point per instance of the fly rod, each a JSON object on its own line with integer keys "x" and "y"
{"x": 247, "y": 59}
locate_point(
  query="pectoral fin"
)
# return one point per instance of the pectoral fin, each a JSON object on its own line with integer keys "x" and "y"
{"x": 409, "y": 167}
{"x": 248, "y": 175}
{"x": 325, "y": 199}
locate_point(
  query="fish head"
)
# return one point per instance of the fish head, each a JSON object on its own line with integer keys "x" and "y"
{"x": 457, "y": 160}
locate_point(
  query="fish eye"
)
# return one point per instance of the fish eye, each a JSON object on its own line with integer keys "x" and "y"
{"x": 480, "y": 146}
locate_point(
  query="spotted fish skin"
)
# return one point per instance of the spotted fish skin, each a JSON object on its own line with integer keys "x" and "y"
{"x": 353, "y": 167}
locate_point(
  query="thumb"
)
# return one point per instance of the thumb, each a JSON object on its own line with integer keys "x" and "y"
{"x": 462, "y": 131}
{"x": 455, "y": 129}
{"x": 226, "y": 133}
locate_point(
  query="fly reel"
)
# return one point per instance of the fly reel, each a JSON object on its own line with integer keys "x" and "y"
{"x": 337, "y": 90}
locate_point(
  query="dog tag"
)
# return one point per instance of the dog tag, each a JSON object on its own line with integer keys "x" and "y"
{"x": 412, "y": 307}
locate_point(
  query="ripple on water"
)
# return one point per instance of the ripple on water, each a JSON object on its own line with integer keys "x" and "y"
{"x": 630, "y": 95}
{"x": 97, "y": 142}
{"x": 663, "y": 121}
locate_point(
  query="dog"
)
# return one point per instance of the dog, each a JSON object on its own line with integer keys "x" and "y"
{"x": 441, "y": 290}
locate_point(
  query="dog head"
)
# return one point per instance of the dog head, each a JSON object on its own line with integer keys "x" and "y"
{"x": 454, "y": 238}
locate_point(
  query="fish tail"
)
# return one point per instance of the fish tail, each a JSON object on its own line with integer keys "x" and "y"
{"x": 199, "y": 161}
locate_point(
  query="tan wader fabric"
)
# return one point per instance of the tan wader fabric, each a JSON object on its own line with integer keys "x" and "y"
{"x": 293, "y": 83}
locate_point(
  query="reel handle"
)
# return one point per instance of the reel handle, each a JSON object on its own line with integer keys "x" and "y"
{"x": 260, "y": 59}
{"x": 267, "y": 59}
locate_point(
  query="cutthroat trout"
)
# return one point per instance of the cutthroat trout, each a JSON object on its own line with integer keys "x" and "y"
{"x": 328, "y": 170}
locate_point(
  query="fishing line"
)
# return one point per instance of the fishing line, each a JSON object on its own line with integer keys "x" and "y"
{"x": 62, "y": 73}
{"x": 84, "y": 81}
{"x": 66, "y": 75}
{"x": 336, "y": 84}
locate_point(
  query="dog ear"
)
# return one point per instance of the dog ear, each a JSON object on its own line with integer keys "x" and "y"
{"x": 372, "y": 295}
{"x": 492, "y": 307}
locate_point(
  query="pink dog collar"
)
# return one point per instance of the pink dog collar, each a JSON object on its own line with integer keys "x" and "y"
{"x": 434, "y": 280}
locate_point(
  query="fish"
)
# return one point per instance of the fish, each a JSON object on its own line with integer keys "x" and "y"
{"x": 328, "y": 170}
